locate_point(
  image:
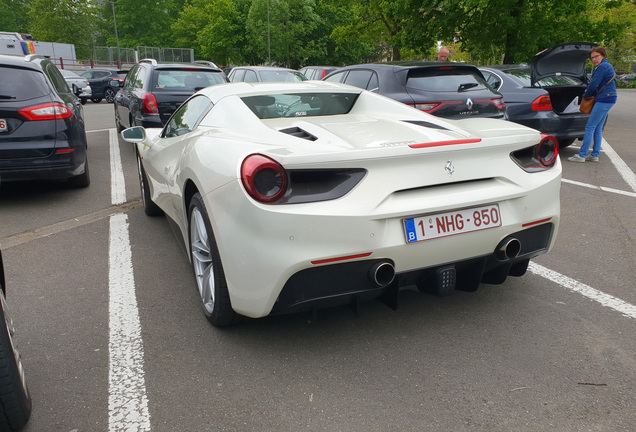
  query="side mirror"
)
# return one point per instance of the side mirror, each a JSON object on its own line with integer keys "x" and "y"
{"x": 136, "y": 134}
{"x": 114, "y": 83}
{"x": 76, "y": 90}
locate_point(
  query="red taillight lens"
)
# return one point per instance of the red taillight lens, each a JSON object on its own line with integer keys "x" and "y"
{"x": 263, "y": 178}
{"x": 542, "y": 103}
{"x": 499, "y": 103}
{"x": 547, "y": 150}
{"x": 48, "y": 111}
{"x": 538, "y": 157}
{"x": 150, "y": 104}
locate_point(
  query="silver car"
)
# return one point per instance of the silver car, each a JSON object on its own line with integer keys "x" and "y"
{"x": 73, "y": 78}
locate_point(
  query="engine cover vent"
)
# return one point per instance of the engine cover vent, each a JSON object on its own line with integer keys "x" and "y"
{"x": 299, "y": 133}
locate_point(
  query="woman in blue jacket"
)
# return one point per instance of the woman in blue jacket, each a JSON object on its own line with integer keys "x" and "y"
{"x": 602, "y": 79}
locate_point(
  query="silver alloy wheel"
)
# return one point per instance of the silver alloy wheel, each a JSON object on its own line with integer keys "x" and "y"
{"x": 202, "y": 259}
{"x": 109, "y": 95}
{"x": 142, "y": 186}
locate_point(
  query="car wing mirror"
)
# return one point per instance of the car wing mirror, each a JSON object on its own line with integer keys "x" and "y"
{"x": 136, "y": 134}
{"x": 76, "y": 90}
{"x": 114, "y": 83}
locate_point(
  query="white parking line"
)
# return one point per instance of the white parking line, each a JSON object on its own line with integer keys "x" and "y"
{"x": 602, "y": 188}
{"x": 627, "y": 309}
{"x": 117, "y": 184}
{"x": 127, "y": 400}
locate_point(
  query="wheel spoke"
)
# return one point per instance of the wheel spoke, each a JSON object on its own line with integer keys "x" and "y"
{"x": 202, "y": 259}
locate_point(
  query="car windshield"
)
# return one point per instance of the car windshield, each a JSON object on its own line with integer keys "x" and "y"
{"x": 69, "y": 74}
{"x": 19, "y": 84}
{"x": 524, "y": 76}
{"x": 445, "y": 79}
{"x": 189, "y": 80}
{"x": 300, "y": 104}
{"x": 281, "y": 76}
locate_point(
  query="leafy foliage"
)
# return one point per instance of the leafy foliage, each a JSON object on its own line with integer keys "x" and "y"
{"x": 335, "y": 32}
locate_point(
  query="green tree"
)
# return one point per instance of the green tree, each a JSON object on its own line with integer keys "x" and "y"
{"x": 63, "y": 21}
{"x": 143, "y": 22}
{"x": 291, "y": 25}
{"x": 214, "y": 29}
{"x": 14, "y": 16}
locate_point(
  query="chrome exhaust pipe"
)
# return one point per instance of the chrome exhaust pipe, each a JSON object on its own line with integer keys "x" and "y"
{"x": 509, "y": 248}
{"x": 382, "y": 273}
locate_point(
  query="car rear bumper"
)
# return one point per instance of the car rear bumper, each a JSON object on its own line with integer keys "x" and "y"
{"x": 56, "y": 166}
{"x": 291, "y": 261}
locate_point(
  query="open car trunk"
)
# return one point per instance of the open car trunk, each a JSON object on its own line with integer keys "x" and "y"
{"x": 561, "y": 71}
{"x": 565, "y": 99}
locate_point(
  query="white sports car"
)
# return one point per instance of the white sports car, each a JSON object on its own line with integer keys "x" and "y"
{"x": 293, "y": 196}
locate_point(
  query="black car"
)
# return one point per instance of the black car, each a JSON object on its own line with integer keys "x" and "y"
{"x": 101, "y": 81}
{"x": 153, "y": 91}
{"x": 545, "y": 94}
{"x": 449, "y": 90}
{"x": 15, "y": 399}
{"x": 317, "y": 72}
{"x": 42, "y": 131}
{"x": 254, "y": 74}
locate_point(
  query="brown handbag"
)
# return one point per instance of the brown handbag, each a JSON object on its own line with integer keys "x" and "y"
{"x": 587, "y": 103}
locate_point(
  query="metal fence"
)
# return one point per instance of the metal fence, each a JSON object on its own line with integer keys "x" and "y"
{"x": 167, "y": 55}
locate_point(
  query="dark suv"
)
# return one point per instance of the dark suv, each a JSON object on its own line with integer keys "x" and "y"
{"x": 42, "y": 131}
{"x": 449, "y": 90}
{"x": 153, "y": 91}
{"x": 102, "y": 82}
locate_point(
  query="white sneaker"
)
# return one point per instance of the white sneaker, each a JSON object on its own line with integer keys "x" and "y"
{"x": 576, "y": 158}
{"x": 591, "y": 158}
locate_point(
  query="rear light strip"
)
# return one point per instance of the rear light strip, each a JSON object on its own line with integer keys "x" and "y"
{"x": 536, "y": 222}
{"x": 344, "y": 258}
{"x": 47, "y": 111}
{"x": 445, "y": 143}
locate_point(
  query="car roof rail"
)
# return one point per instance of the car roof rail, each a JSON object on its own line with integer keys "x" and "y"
{"x": 149, "y": 60}
{"x": 206, "y": 62}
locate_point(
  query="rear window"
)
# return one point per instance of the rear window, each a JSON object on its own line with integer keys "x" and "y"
{"x": 189, "y": 80}
{"x": 445, "y": 79}
{"x": 17, "y": 84}
{"x": 300, "y": 104}
{"x": 281, "y": 76}
{"x": 523, "y": 75}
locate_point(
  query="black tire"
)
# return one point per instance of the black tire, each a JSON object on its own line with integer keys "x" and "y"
{"x": 150, "y": 207}
{"x": 96, "y": 100}
{"x": 83, "y": 101}
{"x": 566, "y": 142}
{"x": 15, "y": 399}
{"x": 208, "y": 268}
{"x": 83, "y": 180}
{"x": 109, "y": 95}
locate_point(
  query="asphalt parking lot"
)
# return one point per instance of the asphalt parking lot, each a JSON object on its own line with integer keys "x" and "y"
{"x": 553, "y": 350}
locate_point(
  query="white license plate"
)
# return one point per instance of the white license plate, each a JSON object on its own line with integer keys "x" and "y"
{"x": 450, "y": 223}
{"x": 3, "y": 126}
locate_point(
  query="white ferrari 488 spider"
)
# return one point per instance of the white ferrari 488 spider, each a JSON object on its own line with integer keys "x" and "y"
{"x": 295, "y": 196}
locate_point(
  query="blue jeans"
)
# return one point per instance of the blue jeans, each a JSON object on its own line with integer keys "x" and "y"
{"x": 594, "y": 129}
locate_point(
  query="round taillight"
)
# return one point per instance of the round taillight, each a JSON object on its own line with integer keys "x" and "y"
{"x": 548, "y": 150}
{"x": 263, "y": 178}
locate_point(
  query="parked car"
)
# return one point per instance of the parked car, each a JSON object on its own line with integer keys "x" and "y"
{"x": 449, "y": 90}
{"x": 252, "y": 74}
{"x": 152, "y": 91}
{"x": 101, "y": 82}
{"x": 15, "y": 398}
{"x": 545, "y": 94}
{"x": 73, "y": 78}
{"x": 628, "y": 78}
{"x": 279, "y": 179}
{"x": 317, "y": 72}
{"x": 42, "y": 131}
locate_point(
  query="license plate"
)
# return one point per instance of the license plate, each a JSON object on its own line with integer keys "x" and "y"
{"x": 451, "y": 223}
{"x": 3, "y": 126}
